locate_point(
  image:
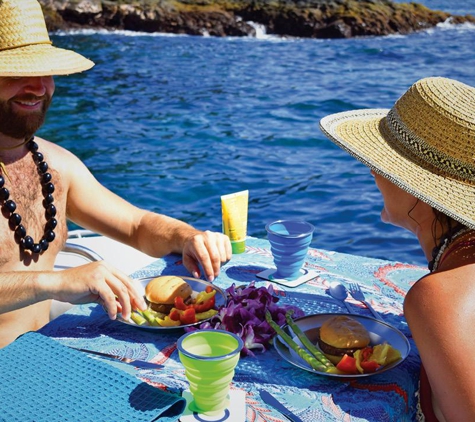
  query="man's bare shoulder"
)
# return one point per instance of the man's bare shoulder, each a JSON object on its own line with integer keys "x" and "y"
{"x": 60, "y": 158}
{"x": 54, "y": 149}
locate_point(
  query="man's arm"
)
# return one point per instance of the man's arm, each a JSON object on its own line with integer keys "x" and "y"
{"x": 96, "y": 282}
{"x": 93, "y": 206}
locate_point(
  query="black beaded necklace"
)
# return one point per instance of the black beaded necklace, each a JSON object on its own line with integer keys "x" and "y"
{"x": 14, "y": 219}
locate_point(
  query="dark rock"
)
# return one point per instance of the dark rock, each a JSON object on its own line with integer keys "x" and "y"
{"x": 295, "y": 18}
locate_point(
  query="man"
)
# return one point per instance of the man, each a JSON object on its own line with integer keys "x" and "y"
{"x": 42, "y": 185}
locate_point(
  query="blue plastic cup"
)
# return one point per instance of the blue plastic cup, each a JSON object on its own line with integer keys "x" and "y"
{"x": 289, "y": 241}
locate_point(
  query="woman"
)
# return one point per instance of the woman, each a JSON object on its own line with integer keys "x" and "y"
{"x": 422, "y": 156}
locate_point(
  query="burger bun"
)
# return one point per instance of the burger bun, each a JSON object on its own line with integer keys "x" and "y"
{"x": 161, "y": 292}
{"x": 340, "y": 335}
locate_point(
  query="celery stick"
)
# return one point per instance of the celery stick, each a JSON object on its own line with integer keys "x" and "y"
{"x": 307, "y": 343}
{"x": 314, "y": 363}
{"x": 137, "y": 318}
{"x": 149, "y": 315}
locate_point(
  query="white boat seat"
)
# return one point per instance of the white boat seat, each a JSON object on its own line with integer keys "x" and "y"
{"x": 72, "y": 255}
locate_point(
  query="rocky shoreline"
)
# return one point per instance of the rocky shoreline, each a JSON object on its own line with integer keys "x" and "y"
{"x": 292, "y": 18}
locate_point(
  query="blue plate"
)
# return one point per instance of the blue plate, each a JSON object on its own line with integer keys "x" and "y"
{"x": 197, "y": 286}
{"x": 379, "y": 332}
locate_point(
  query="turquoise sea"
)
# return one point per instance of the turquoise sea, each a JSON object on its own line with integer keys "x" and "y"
{"x": 171, "y": 123}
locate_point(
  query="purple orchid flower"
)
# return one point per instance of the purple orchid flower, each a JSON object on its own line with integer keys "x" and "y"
{"x": 244, "y": 315}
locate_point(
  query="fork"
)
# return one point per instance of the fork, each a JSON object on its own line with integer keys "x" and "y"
{"x": 356, "y": 292}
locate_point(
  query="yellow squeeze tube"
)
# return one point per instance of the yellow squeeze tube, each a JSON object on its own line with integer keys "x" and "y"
{"x": 234, "y": 207}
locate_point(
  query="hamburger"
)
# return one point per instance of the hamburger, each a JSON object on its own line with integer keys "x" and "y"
{"x": 340, "y": 335}
{"x": 161, "y": 292}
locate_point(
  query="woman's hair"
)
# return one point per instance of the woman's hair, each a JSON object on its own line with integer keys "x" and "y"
{"x": 444, "y": 220}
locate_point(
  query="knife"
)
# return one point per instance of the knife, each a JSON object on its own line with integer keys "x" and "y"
{"x": 143, "y": 364}
{"x": 276, "y": 404}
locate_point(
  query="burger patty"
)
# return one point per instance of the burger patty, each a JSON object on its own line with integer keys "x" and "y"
{"x": 164, "y": 308}
{"x": 335, "y": 351}
{"x": 160, "y": 307}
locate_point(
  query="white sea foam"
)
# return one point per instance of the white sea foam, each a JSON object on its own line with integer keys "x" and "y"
{"x": 123, "y": 32}
{"x": 464, "y": 26}
{"x": 259, "y": 28}
{"x": 260, "y": 33}
{"x": 448, "y": 25}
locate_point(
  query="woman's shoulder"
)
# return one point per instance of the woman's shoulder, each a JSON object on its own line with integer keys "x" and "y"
{"x": 454, "y": 284}
{"x": 455, "y": 269}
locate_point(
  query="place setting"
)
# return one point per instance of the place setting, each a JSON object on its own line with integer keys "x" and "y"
{"x": 289, "y": 243}
{"x": 194, "y": 300}
{"x": 345, "y": 334}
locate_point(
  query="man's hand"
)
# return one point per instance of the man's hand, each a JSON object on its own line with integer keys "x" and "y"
{"x": 208, "y": 249}
{"x": 97, "y": 282}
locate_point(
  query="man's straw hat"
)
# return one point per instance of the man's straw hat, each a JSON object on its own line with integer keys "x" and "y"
{"x": 25, "y": 47}
{"x": 425, "y": 144}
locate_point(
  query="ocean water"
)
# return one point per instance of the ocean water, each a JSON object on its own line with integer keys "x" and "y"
{"x": 171, "y": 123}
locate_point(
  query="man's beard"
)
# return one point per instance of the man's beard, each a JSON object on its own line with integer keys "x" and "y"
{"x": 22, "y": 125}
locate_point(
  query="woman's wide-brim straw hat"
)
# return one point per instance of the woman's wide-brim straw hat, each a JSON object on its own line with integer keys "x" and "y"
{"x": 425, "y": 144}
{"x": 25, "y": 46}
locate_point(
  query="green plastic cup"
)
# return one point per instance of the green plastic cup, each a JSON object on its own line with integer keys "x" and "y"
{"x": 209, "y": 358}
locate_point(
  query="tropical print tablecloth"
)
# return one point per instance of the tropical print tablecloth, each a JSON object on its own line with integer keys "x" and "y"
{"x": 390, "y": 396}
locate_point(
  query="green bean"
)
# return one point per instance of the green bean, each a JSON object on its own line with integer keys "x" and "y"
{"x": 307, "y": 343}
{"x": 314, "y": 363}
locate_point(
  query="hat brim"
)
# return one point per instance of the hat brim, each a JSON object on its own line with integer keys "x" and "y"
{"x": 358, "y": 132}
{"x": 41, "y": 60}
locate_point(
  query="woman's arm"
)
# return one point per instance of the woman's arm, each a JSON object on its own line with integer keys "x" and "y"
{"x": 440, "y": 310}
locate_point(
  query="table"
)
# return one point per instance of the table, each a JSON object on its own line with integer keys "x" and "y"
{"x": 391, "y": 396}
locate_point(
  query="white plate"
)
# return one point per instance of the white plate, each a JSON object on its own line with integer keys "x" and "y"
{"x": 379, "y": 332}
{"x": 197, "y": 286}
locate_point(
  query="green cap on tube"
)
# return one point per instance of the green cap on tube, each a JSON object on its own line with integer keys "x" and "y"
{"x": 238, "y": 246}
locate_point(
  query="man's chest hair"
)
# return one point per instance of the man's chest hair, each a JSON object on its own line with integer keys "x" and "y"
{"x": 24, "y": 185}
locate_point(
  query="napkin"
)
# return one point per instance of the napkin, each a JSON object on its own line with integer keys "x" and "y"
{"x": 42, "y": 380}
